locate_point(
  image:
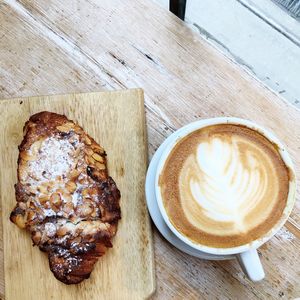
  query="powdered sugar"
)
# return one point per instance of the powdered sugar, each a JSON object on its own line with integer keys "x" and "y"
{"x": 73, "y": 261}
{"x": 53, "y": 159}
{"x": 50, "y": 229}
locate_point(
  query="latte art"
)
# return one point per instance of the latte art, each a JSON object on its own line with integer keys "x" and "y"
{"x": 224, "y": 184}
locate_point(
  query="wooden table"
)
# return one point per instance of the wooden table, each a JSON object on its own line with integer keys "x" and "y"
{"x": 52, "y": 47}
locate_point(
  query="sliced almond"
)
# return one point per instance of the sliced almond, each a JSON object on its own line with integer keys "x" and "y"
{"x": 100, "y": 166}
{"x": 85, "y": 192}
{"x": 55, "y": 199}
{"x": 60, "y": 191}
{"x": 88, "y": 151}
{"x": 27, "y": 157}
{"x": 65, "y": 127}
{"x": 19, "y": 220}
{"x": 58, "y": 178}
{"x": 86, "y": 159}
{"x": 73, "y": 139}
{"x": 68, "y": 208}
{"x": 67, "y": 197}
{"x": 97, "y": 148}
{"x": 47, "y": 205}
{"x": 42, "y": 189}
{"x": 70, "y": 124}
{"x": 62, "y": 231}
{"x": 82, "y": 180}
{"x": 89, "y": 160}
{"x": 97, "y": 157}
{"x": 73, "y": 175}
{"x": 77, "y": 152}
{"x": 22, "y": 205}
{"x": 85, "y": 209}
{"x": 87, "y": 141}
{"x": 36, "y": 237}
{"x": 77, "y": 240}
{"x": 43, "y": 199}
{"x": 51, "y": 185}
{"x": 71, "y": 186}
{"x": 93, "y": 191}
{"x": 36, "y": 146}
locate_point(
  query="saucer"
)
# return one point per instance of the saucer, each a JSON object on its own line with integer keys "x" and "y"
{"x": 156, "y": 215}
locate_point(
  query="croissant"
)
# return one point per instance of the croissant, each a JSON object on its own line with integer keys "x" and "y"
{"x": 65, "y": 197}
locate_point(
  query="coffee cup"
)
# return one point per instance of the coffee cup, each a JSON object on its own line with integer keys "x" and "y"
{"x": 263, "y": 153}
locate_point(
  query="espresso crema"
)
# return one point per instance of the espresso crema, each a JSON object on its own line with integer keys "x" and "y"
{"x": 224, "y": 186}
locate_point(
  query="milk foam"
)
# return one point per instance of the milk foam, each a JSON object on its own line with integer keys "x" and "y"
{"x": 225, "y": 181}
{"x": 227, "y": 189}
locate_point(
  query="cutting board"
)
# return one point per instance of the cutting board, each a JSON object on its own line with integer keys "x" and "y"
{"x": 116, "y": 120}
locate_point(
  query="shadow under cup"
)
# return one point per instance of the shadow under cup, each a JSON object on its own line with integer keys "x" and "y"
{"x": 190, "y": 128}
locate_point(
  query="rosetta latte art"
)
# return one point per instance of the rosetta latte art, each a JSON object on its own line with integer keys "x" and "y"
{"x": 228, "y": 187}
{"x": 222, "y": 182}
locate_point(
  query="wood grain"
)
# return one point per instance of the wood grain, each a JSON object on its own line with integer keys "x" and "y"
{"x": 60, "y": 47}
{"x": 126, "y": 271}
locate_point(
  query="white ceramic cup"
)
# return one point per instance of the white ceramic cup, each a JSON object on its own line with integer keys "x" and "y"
{"x": 246, "y": 254}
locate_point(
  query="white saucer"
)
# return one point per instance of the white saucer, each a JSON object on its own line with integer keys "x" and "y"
{"x": 157, "y": 217}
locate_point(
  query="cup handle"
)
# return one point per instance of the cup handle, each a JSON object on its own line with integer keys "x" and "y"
{"x": 251, "y": 265}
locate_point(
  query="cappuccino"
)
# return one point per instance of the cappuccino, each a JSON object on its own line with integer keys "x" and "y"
{"x": 224, "y": 185}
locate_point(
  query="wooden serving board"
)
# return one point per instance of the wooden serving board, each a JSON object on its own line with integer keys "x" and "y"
{"x": 116, "y": 120}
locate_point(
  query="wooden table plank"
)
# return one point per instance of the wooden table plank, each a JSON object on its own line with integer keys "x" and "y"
{"x": 95, "y": 45}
